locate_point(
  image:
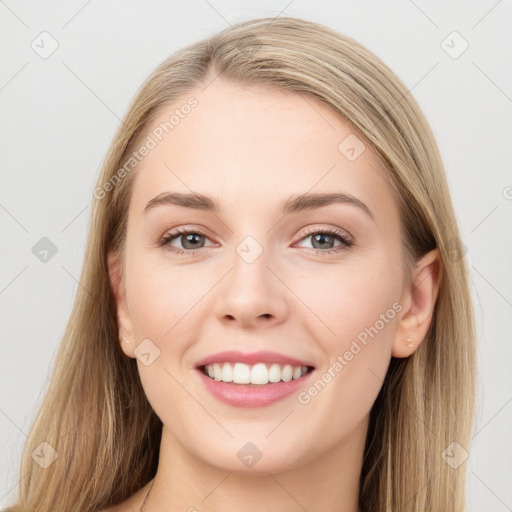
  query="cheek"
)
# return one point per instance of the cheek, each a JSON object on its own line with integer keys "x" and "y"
{"x": 362, "y": 312}
{"x": 160, "y": 297}
{"x": 160, "y": 302}
{"x": 354, "y": 301}
{"x": 362, "y": 309}
{"x": 150, "y": 311}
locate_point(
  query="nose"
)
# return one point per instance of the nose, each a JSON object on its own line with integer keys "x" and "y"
{"x": 251, "y": 295}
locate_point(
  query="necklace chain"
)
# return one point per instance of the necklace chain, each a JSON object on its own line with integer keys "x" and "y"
{"x": 144, "y": 502}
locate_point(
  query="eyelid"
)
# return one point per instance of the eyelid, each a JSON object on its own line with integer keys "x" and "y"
{"x": 344, "y": 237}
{"x": 325, "y": 229}
{"x": 183, "y": 231}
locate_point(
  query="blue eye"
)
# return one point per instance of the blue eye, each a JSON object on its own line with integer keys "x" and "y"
{"x": 326, "y": 236}
{"x": 192, "y": 239}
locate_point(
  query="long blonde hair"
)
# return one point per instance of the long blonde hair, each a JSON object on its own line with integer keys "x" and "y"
{"x": 95, "y": 414}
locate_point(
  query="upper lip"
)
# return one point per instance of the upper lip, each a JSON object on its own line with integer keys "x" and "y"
{"x": 250, "y": 358}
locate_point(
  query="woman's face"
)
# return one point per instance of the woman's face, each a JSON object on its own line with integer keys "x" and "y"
{"x": 266, "y": 274}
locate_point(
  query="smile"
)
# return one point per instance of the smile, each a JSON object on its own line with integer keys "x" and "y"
{"x": 257, "y": 374}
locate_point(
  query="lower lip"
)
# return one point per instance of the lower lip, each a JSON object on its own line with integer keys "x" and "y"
{"x": 242, "y": 395}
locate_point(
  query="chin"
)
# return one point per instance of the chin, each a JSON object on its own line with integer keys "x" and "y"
{"x": 251, "y": 456}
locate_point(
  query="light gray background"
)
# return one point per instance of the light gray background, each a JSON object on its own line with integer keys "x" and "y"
{"x": 59, "y": 115}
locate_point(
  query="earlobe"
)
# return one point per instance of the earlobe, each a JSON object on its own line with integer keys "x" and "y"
{"x": 420, "y": 300}
{"x": 123, "y": 316}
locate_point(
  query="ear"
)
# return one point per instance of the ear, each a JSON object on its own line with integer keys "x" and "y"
{"x": 123, "y": 315}
{"x": 418, "y": 300}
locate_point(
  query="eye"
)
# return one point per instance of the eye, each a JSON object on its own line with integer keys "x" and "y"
{"x": 324, "y": 240}
{"x": 190, "y": 240}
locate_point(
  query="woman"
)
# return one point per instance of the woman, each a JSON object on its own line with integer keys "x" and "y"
{"x": 274, "y": 310}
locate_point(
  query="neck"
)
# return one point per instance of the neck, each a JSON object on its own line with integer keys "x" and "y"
{"x": 328, "y": 483}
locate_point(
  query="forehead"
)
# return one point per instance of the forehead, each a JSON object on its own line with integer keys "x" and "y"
{"x": 253, "y": 147}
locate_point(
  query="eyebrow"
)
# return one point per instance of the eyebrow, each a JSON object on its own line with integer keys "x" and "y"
{"x": 295, "y": 203}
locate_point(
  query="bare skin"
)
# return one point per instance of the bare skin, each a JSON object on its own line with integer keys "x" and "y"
{"x": 250, "y": 149}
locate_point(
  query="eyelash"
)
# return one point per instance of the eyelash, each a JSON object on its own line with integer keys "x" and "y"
{"x": 167, "y": 239}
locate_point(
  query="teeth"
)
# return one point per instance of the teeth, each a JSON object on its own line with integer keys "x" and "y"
{"x": 227, "y": 373}
{"x": 260, "y": 373}
{"x": 241, "y": 374}
{"x": 274, "y": 373}
{"x": 297, "y": 372}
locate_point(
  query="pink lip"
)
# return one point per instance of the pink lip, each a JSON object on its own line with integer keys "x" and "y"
{"x": 264, "y": 356}
{"x": 252, "y": 395}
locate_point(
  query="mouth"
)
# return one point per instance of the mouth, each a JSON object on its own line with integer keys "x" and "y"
{"x": 256, "y": 375}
